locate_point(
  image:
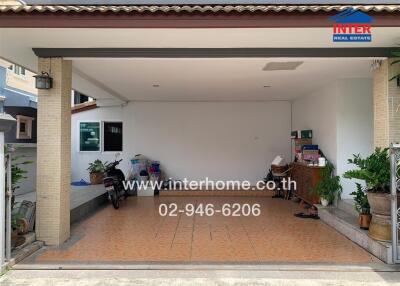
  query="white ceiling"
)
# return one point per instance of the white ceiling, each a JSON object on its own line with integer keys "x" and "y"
{"x": 216, "y": 79}
{"x": 192, "y": 79}
{"x": 16, "y": 43}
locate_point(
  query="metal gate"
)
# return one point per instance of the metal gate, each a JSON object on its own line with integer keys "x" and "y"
{"x": 395, "y": 187}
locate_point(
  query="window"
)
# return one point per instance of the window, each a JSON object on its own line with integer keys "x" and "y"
{"x": 89, "y": 136}
{"x": 24, "y": 127}
{"x": 2, "y": 104}
{"x": 81, "y": 98}
{"x": 18, "y": 70}
{"x": 112, "y": 136}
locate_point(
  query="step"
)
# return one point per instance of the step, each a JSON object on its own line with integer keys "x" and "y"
{"x": 347, "y": 224}
{"x": 84, "y": 208}
{"x": 22, "y": 253}
{"x": 347, "y": 205}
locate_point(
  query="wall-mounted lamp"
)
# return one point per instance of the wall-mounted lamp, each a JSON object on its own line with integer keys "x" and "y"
{"x": 44, "y": 81}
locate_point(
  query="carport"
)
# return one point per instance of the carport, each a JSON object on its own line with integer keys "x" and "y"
{"x": 96, "y": 50}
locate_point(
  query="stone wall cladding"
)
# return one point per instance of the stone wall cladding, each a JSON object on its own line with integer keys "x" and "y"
{"x": 386, "y": 106}
{"x": 381, "y": 106}
{"x": 54, "y": 153}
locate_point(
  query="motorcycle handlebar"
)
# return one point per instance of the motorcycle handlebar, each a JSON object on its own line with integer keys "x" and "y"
{"x": 113, "y": 164}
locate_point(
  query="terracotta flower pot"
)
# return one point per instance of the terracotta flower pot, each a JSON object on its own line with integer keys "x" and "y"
{"x": 16, "y": 240}
{"x": 381, "y": 225}
{"x": 96, "y": 178}
{"x": 364, "y": 220}
{"x": 380, "y": 203}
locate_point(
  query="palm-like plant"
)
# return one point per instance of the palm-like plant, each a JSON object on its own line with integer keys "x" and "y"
{"x": 374, "y": 170}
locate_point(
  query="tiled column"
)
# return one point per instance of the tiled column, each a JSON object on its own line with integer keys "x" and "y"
{"x": 386, "y": 106}
{"x": 54, "y": 153}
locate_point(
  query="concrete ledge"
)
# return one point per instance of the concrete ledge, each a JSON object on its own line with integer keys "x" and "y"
{"x": 24, "y": 252}
{"x": 347, "y": 225}
{"x": 85, "y": 209}
{"x": 347, "y": 205}
{"x": 199, "y": 266}
{"x": 83, "y": 200}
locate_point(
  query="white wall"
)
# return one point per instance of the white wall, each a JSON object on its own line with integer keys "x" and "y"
{"x": 317, "y": 112}
{"x": 81, "y": 160}
{"x": 355, "y": 125}
{"x": 219, "y": 140}
{"x": 194, "y": 140}
{"x": 341, "y": 117}
{"x": 237, "y": 140}
{"x": 231, "y": 140}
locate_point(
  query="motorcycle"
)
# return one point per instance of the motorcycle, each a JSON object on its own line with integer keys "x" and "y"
{"x": 113, "y": 182}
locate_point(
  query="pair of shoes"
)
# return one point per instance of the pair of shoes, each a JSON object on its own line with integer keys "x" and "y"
{"x": 303, "y": 215}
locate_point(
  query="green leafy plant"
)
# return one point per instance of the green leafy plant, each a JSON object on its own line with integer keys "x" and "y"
{"x": 329, "y": 187}
{"x": 374, "y": 170}
{"x": 360, "y": 200}
{"x": 18, "y": 173}
{"x": 97, "y": 166}
{"x": 16, "y": 222}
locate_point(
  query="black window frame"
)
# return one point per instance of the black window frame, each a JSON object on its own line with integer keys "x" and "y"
{"x": 105, "y": 134}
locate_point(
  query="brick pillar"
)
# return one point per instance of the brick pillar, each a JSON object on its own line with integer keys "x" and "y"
{"x": 386, "y": 106}
{"x": 54, "y": 153}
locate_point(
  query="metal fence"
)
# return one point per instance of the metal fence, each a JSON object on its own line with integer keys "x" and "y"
{"x": 395, "y": 188}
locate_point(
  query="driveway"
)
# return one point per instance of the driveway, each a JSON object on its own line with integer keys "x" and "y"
{"x": 137, "y": 233}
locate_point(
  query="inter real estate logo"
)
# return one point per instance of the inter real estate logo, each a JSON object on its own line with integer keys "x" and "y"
{"x": 352, "y": 25}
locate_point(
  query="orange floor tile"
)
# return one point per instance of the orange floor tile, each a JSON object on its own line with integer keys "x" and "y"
{"x": 136, "y": 232}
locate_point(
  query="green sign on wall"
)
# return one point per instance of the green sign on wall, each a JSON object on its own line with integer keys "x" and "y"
{"x": 89, "y": 136}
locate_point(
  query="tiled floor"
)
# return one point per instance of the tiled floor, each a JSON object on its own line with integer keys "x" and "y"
{"x": 136, "y": 232}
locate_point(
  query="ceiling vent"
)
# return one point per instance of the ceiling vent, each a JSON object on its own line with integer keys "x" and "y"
{"x": 281, "y": 66}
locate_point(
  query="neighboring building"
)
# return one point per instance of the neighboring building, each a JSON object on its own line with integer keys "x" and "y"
{"x": 19, "y": 99}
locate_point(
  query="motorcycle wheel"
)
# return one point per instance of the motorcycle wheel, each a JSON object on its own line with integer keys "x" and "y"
{"x": 115, "y": 199}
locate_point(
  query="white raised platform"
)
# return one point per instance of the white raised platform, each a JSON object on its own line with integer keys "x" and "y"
{"x": 83, "y": 200}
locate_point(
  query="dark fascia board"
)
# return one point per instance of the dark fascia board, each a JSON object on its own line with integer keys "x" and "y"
{"x": 212, "y": 52}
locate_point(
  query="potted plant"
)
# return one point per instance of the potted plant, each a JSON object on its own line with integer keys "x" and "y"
{"x": 18, "y": 174}
{"x": 362, "y": 207}
{"x": 374, "y": 171}
{"x": 17, "y": 227}
{"x": 328, "y": 188}
{"x": 96, "y": 171}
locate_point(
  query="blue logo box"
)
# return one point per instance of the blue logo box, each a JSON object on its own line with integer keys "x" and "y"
{"x": 352, "y": 37}
{"x": 352, "y": 25}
